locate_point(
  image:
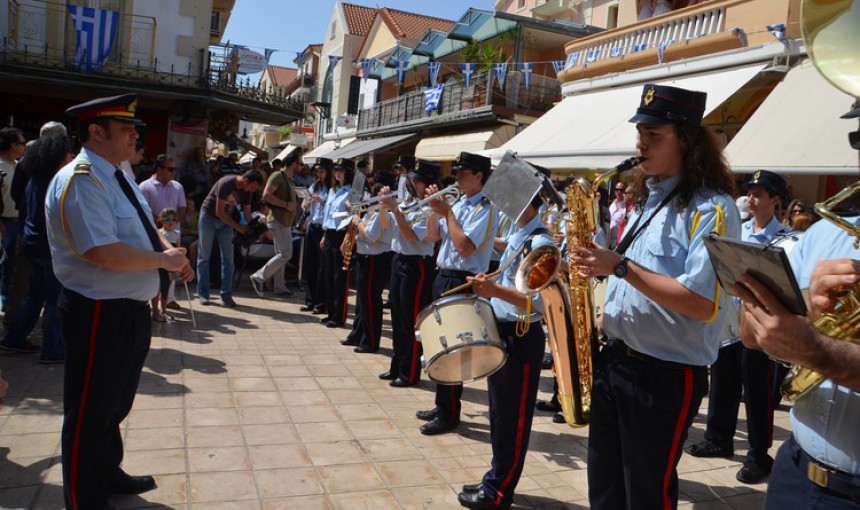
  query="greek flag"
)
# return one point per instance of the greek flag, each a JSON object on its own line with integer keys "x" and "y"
{"x": 592, "y": 56}
{"x": 333, "y": 60}
{"x": 433, "y": 70}
{"x": 96, "y": 29}
{"x": 300, "y": 59}
{"x": 468, "y": 71}
{"x": 558, "y": 66}
{"x": 661, "y": 49}
{"x": 268, "y": 54}
{"x": 402, "y": 66}
{"x": 368, "y": 65}
{"x": 526, "y": 68}
{"x": 639, "y": 47}
{"x": 432, "y": 96}
{"x": 572, "y": 60}
{"x": 615, "y": 52}
{"x": 501, "y": 71}
{"x": 777, "y": 30}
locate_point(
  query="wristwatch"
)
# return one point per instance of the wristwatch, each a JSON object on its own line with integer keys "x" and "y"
{"x": 620, "y": 269}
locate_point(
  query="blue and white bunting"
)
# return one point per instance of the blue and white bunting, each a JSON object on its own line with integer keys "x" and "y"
{"x": 778, "y": 31}
{"x": 615, "y": 52}
{"x": 639, "y": 47}
{"x": 333, "y": 60}
{"x": 592, "y": 56}
{"x": 468, "y": 71}
{"x": 433, "y": 70}
{"x": 300, "y": 59}
{"x": 558, "y": 66}
{"x": 368, "y": 65}
{"x": 402, "y": 66}
{"x": 661, "y": 48}
{"x": 572, "y": 60}
{"x": 268, "y": 54}
{"x": 432, "y": 96}
{"x": 95, "y": 29}
{"x": 526, "y": 68}
{"x": 501, "y": 70}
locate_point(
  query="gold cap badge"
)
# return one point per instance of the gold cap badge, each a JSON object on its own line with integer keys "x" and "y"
{"x": 649, "y": 96}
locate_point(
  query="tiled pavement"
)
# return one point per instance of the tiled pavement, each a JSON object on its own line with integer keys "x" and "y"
{"x": 260, "y": 407}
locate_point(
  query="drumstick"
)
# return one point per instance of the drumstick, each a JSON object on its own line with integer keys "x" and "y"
{"x": 458, "y": 288}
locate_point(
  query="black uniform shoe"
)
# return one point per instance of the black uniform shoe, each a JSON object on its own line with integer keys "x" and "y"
{"x": 548, "y": 406}
{"x": 387, "y": 376}
{"x": 437, "y": 426}
{"x": 473, "y": 487}
{"x": 361, "y": 349}
{"x": 333, "y": 324}
{"x": 708, "y": 448}
{"x": 478, "y": 500}
{"x": 317, "y": 311}
{"x": 558, "y": 418}
{"x": 546, "y": 364}
{"x": 324, "y": 320}
{"x": 427, "y": 414}
{"x": 752, "y": 473}
{"x": 347, "y": 341}
{"x": 306, "y": 308}
{"x": 123, "y": 483}
{"x": 400, "y": 383}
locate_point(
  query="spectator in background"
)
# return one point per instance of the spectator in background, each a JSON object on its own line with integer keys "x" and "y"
{"x": 161, "y": 191}
{"x": 12, "y": 147}
{"x": 303, "y": 177}
{"x": 802, "y": 221}
{"x": 617, "y": 210}
{"x": 796, "y": 206}
{"x": 128, "y": 165}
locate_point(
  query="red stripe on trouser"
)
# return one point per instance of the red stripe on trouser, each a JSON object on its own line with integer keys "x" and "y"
{"x": 76, "y": 444}
{"x": 769, "y": 411}
{"x": 345, "y": 295}
{"x": 676, "y": 439}
{"x": 521, "y": 426}
{"x": 419, "y": 290}
{"x": 374, "y": 342}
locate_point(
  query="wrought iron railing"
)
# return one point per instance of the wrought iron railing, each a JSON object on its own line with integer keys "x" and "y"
{"x": 538, "y": 97}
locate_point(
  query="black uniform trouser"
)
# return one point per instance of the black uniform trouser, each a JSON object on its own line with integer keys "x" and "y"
{"x": 411, "y": 285}
{"x": 641, "y": 409}
{"x": 106, "y": 346}
{"x": 449, "y": 396}
{"x": 336, "y": 279}
{"x": 513, "y": 392}
{"x": 740, "y": 368}
{"x": 372, "y": 274}
{"x": 312, "y": 267}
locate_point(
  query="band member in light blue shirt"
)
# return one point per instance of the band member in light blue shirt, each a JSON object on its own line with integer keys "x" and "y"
{"x": 336, "y": 278}
{"x": 312, "y": 265}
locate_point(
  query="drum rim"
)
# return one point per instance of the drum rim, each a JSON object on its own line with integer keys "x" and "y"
{"x": 441, "y": 301}
{"x": 484, "y": 342}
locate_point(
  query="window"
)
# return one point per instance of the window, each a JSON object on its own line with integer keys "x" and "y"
{"x": 333, "y": 29}
{"x": 521, "y": 4}
{"x": 612, "y": 17}
{"x": 215, "y": 24}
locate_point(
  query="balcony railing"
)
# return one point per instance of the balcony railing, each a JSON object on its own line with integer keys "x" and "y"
{"x": 457, "y": 99}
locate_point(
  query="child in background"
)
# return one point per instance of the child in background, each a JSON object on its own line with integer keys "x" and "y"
{"x": 170, "y": 231}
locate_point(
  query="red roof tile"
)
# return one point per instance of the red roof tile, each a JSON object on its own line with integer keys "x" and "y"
{"x": 281, "y": 76}
{"x": 412, "y": 25}
{"x": 359, "y": 18}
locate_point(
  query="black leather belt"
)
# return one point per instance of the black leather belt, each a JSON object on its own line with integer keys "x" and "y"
{"x": 455, "y": 273}
{"x": 620, "y": 348}
{"x": 413, "y": 257}
{"x": 833, "y": 480}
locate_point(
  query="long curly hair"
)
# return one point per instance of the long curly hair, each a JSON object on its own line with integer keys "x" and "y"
{"x": 704, "y": 166}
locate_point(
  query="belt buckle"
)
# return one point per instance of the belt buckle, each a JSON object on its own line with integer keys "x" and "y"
{"x": 817, "y": 474}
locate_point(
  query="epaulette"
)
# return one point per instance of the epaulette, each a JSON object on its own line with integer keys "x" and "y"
{"x": 83, "y": 167}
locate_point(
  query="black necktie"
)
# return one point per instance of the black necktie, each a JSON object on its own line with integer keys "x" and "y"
{"x": 147, "y": 225}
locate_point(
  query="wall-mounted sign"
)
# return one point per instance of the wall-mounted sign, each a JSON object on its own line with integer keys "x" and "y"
{"x": 249, "y": 62}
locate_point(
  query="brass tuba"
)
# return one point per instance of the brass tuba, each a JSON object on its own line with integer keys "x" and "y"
{"x": 569, "y": 308}
{"x": 831, "y": 32}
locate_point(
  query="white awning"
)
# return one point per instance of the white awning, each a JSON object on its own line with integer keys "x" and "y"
{"x": 448, "y": 148}
{"x": 326, "y": 148}
{"x": 591, "y": 131}
{"x": 797, "y": 129}
{"x": 370, "y": 146}
{"x": 287, "y": 151}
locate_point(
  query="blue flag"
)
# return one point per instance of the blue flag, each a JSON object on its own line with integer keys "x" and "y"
{"x": 402, "y": 66}
{"x": 368, "y": 65}
{"x": 96, "y": 29}
{"x": 432, "y": 96}
{"x": 777, "y": 30}
{"x": 615, "y": 52}
{"x": 558, "y": 66}
{"x": 592, "y": 56}
{"x": 333, "y": 60}
{"x": 572, "y": 60}
{"x": 268, "y": 54}
{"x": 468, "y": 71}
{"x": 300, "y": 59}
{"x": 661, "y": 49}
{"x": 501, "y": 70}
{"x": 526, "y": 68}
{"x": 433, "y": 70}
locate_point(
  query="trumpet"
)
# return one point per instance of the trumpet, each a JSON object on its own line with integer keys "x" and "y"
{"x": 452, "y": 193}
{"x": 372, "y": 204}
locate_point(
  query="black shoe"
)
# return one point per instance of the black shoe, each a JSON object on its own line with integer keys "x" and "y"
{"x": 558, "y": 418}
{"x": 317, "y": 311}
{"x": 387, "y": 304}
{"x": 473, "y": 487}
{"x": 546, "y": 364}
{"x": 752, "y": 473}
{"x": 478, "y": 500}
{"x": 437, "y": 426}
{"x": 123, "y": 483}
{"x": 24, "y": 347}
{"x": 400, "y": 383}
{"x": 427, "y": 414}
{"x": 708, "y": 448}
{"x": 347, "y": 341}
{"x": 325, "y": 320}
{"x": 387, "y": 376}
{"x": 306, "y": 308}
{"x": 333, "y": 324}
{"x": 361, "y": 349}
{"x": 548, "y": 406}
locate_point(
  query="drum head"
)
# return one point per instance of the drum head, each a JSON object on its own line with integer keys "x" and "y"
{"x": 466, "y": 363}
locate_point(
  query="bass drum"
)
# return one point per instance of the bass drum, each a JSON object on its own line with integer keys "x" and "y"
{"x": 460, "y": 339}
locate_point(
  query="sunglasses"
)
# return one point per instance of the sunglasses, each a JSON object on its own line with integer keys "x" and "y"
{"x": 168, "y": 219}
{"x": 854, "y": 140}
{"x": 796, "y": 211}
{"x": 619, "y": 189}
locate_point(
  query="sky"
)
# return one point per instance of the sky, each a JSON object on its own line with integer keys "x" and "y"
{"x": 291, "y": 25}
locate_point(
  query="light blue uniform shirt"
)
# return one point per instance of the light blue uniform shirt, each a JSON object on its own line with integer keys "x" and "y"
{"x": 667, "y": 248}
{"x": 335, "y": 207}
{"x": 503, "y": 310}
{"x": 96, "y": 215}
{"x": 826, "y": 421}
{"x": 476, "y": 216}
{"x": 763, "y": 236}
{"x": 378, "y": 238}
{"x": 422, "y": 246}
{"x": 316, "y": 212}
{"x": 503, "y": 227}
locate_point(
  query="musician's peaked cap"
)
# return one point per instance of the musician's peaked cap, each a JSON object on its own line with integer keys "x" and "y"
{"x": 345, "y": 163}
{"x": 661, "y": 104}
{"x": 855, "y": 112}
{"x": 386, "y": 178}
{"x": 773, "y": 183}
{"x": 427, "y": 172}
{"x": 324, "y": 162}
{"x": 474, "y": 162}
{"x": 121, "y": 108}
{"x": 407, "y": 162}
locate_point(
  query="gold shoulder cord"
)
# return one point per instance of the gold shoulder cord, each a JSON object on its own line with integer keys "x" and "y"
{"x": 523, "y": 323}
{"x": 82, "y": 168}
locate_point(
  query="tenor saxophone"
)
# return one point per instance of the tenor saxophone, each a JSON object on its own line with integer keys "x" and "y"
{"x": 569, "y": 303}
{"x": 349, "y": 244}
